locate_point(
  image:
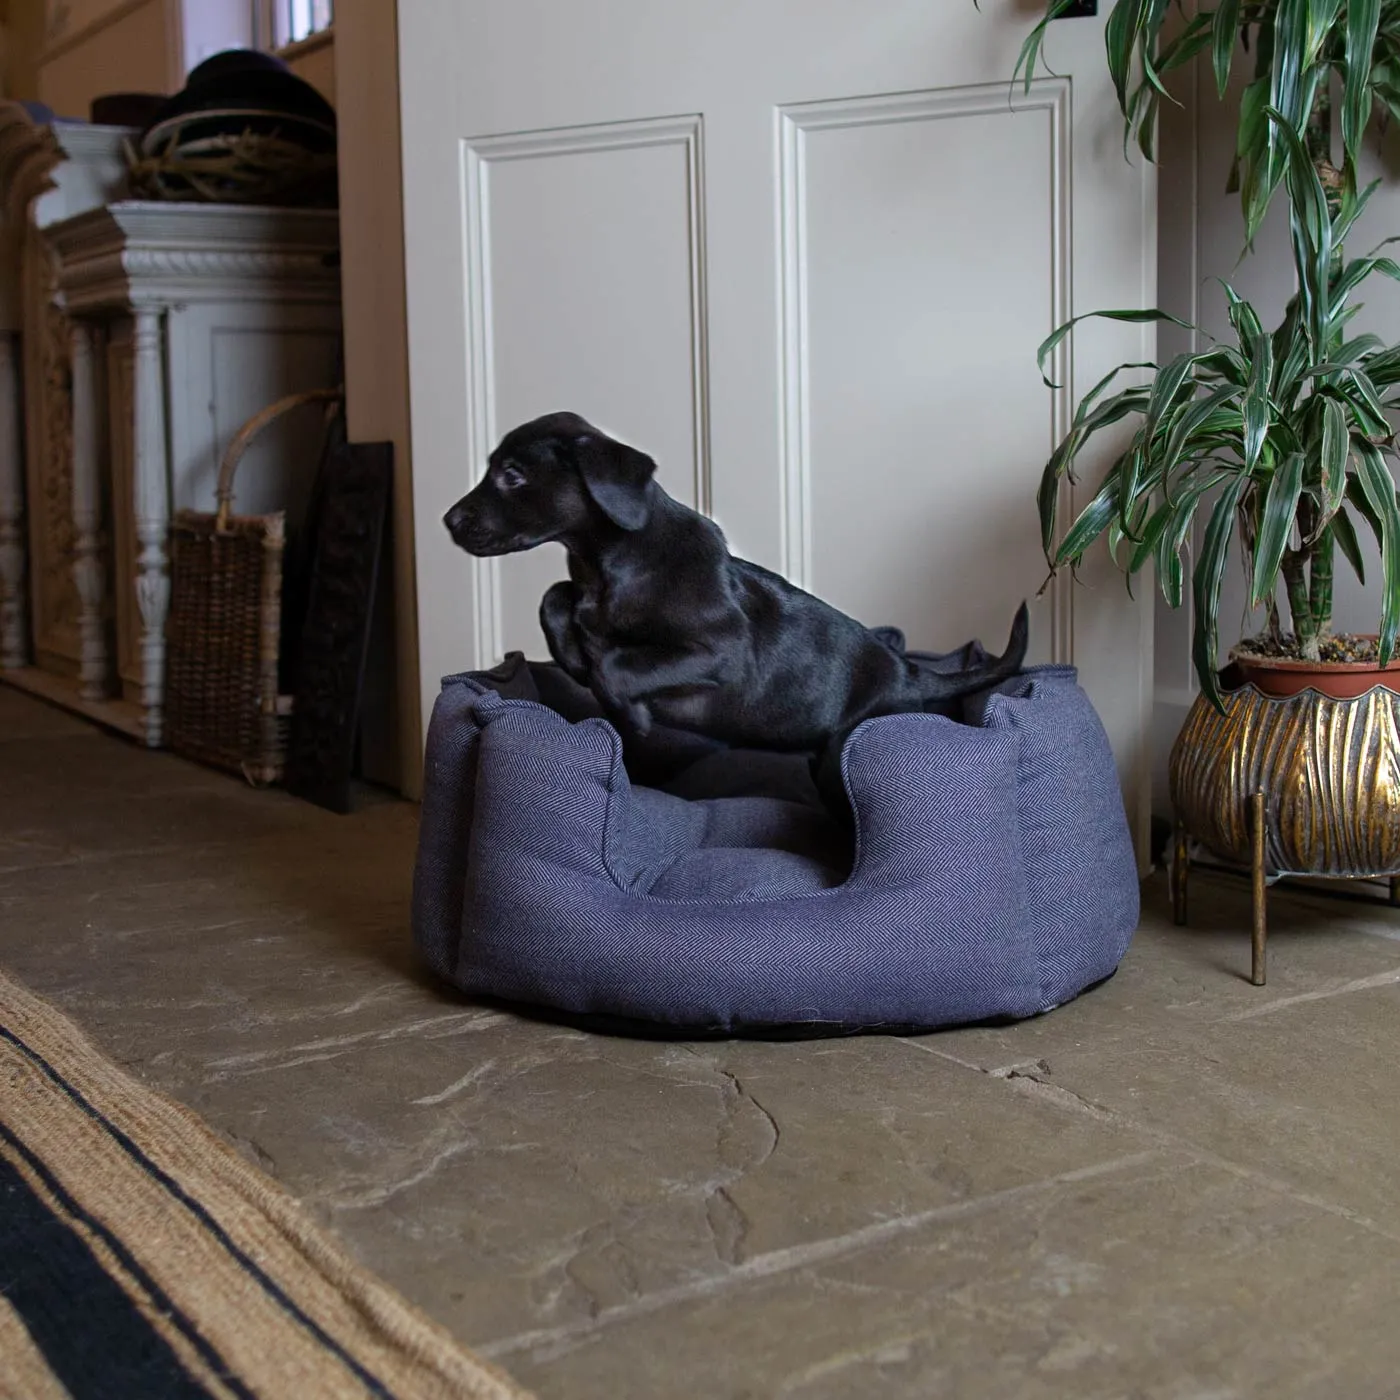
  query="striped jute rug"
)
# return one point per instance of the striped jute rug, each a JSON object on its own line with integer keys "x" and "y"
{"x": 141, "y": 1258}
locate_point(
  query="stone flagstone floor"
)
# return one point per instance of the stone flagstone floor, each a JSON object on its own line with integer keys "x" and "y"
{"x": 1179, "y": 1186}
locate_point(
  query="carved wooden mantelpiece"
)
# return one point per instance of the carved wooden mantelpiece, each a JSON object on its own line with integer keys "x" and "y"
{"x": 188, "y": 318}
{"x": 48, "y": 172}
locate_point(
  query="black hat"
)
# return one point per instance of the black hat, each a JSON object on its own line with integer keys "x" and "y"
{"x": 243, "y": 90}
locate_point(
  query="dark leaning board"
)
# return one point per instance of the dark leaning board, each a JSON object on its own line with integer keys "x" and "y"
{"x": 352, "y": 502}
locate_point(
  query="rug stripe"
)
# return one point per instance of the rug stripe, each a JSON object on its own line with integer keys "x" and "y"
{"x": 23, "y": 1370}
{"x": 52, "y": 1280}
{"x": 121, "y": 1253}
{"x": 197, "y": 1354}
{"x": 81, "y": 1115}
{"x": 269, "y": 1285}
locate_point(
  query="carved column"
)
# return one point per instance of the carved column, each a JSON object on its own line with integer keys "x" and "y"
{"x": 14, "y": 596}
{"x": 93, "y": 663}
{"x": 151, "y": 506}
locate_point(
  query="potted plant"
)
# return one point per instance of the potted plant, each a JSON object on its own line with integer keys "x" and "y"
{"x": 1277, "y": 439}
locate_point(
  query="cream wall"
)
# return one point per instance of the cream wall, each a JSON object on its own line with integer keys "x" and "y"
{"x": 314, "y": 62}
{"x": 1201, "y": 233}
{"x": 66, "y": 52}
{"x": 23, "y": 38}
{"x": 102, "y": 46}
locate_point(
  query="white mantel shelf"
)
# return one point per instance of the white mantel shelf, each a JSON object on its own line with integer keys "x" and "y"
{"x": 138, "y": 253}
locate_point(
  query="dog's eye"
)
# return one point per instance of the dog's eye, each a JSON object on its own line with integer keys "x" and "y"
{"x": 510, "y": 476}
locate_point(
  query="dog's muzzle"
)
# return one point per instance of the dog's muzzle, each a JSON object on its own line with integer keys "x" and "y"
{"x": 464, "y": 525}
{"x": 471, "y": 534}
{"x": 457, "y": 520}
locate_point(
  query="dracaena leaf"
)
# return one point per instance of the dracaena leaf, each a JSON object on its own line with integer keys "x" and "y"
{"x": 1357, "y": 497}
{"x": 1275, "y": 525}
{"x": 1173, "y": 538}
{"x": 1336, "y": 448}
{"x": 1120, "y": 37}
{"x": 1150, "y": 535}
{"x": 1378, "y": 486}
{"x": 1228, "y": 364}
{"x": 1243, "y": 317}
{"x": 1344, "y": 532}
{"x": 1181, "y": 50}
{"x": 1309, "y": 203}
{"x": 1363, "y": 19}
{"x": 1384, "y": 369}
{"x": 1091, "y": 522}
{"x": 1225, "y": 33}
{"x": 1165, "y": 390}
{"x": 1192, "y": 418}
{"x": 1052, "y": 342}
{"x": 1353, "y": 206}
{"x": 1366, "y": 397}
{"x": 1256, "y": 400}
{"x": 1205, "y": 586}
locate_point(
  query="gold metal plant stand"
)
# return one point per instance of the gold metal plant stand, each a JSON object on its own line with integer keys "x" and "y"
{"x": 1303, "y": 786}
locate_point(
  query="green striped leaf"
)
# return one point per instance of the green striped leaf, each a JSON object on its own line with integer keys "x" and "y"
{"x": 1205, "y": 586}
{"x": 1311, "y": 224}
{"x": 1378, "y": 485}
{"x": 1256, "y": 400}
{"x": 1181, "y": 50}
{"x": 1225, "y": 34}
{"x": 1061, "y": 462}
{"x": 1120, "y": 37}
{"x": 1151, "y": 532}
{"x": 1384, "y": 369}
{"x": 1165, "y": 388}
{"x": 1353, "y": 206}
{"x": 1344, "y": 532}
{"x": 1243, "y": 317}
{"x": 1366, "y": 397}
{"x": 1358, "y": 498}
{"x": 1173, "y": 539}
{"x": 1192, "y": 418}
{"x": 1291, "y": 32}
{"x": 1228, "y": 364}
{"x": 1280, "y": 509}
{"x": 1363, "y": 20}
{"x": 1290, "y": 366}
{"x": 1092, "y": 521}
{"x": 1321, "y": 16}
{"x": 1336, "y": 449}
{"x": 1051, "y": 343}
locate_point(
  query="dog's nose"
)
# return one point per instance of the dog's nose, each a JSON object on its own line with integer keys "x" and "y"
{"x": 455, "y": 519}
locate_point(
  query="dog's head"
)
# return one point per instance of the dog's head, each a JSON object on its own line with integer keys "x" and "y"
{"x": 555, "y": 478}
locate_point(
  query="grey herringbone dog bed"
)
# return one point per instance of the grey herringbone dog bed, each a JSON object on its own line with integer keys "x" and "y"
{"x": 991, "y": 873}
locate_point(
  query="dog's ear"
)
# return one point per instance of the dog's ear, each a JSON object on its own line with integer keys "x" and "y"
{"x": 616, "y": 477}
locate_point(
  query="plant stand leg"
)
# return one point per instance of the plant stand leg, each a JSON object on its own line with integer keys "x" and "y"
{"x": 1395, "y": 891}
{"x": 1258, "y": 832}
{"x": 1181, "y": 873}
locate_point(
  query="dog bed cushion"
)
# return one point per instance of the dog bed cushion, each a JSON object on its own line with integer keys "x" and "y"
{"x": 989, "y": 875}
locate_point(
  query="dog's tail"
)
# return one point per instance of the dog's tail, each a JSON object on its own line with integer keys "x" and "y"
{"x": 1014, "y": 657}
{"x": 941, "y": 685}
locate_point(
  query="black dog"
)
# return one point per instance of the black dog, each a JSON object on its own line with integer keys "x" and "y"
{"x": 665, "y": 626}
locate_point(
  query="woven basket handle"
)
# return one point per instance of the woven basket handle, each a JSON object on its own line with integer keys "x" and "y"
{"x": 223, "y": 492}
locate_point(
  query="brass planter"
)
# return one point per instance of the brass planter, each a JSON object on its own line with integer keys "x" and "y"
{"x": 1303, "y": 785}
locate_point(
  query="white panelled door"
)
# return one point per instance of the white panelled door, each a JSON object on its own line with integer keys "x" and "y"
{"x": 801, "y": 252}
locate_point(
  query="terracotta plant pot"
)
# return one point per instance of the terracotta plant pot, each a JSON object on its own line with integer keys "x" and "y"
{"x": 1282, "y": 676}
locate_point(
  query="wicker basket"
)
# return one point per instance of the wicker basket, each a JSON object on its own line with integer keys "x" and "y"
{"x": 222, "y": 701}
